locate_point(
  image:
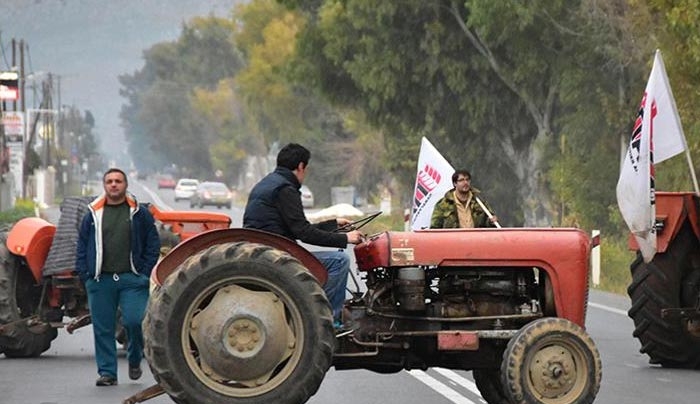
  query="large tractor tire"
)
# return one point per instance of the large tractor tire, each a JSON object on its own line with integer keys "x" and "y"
{"x": 19, "y": 299}
{"x": 551, "y": 361}
{"x": 670, "y": 280}
{"x": 488, "y": 381}
{"x": 239, "y": 323}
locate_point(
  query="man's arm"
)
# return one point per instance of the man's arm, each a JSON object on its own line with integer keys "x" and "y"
{"x": 81, "y": 250}
{"x": 151, "y": 251}
{"x": 289, "y": 206}
{"x": 436, "y": 218}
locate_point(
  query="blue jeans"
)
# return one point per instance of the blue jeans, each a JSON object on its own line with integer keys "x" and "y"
{"x": 129, "y": 292}
{"x": 338, "y": 265}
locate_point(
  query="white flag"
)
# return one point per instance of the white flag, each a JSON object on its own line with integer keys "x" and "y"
{"x": 657, "y": 136}
{"x": 433, "y": 180}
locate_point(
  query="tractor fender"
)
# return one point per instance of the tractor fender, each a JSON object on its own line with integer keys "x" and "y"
{"x": 193, "y": 245}
{"x": 672, "y": 209}
{"x": 31, "y": 238}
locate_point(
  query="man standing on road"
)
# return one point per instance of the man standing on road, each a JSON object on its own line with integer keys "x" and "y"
{"x": 118, "y": 246}
{"x": 274, "y": 205}
{"x": 459, "y": 207}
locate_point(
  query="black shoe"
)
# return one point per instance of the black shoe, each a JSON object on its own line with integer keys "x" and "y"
{"x": 135, "y": 372}
{"x": 106, "y": 381}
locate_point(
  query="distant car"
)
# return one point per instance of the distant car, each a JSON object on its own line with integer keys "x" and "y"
{"x": 307, "y": 197}
{"x": 212, "y": 194}
{"x": 166, "y": 181}
{"x": 185, "y": 188}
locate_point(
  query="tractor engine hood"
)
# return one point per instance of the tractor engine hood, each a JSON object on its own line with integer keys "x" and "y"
{"x": 563, "y": 253}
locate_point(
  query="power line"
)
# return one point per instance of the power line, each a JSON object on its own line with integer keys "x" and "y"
{"x": 2, "y": 48}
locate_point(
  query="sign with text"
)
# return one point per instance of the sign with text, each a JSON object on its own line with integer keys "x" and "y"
{"x": 8, "y": 86}
{"x": 14, "y": 126}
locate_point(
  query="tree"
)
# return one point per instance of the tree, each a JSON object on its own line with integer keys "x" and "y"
{"x": 161, "y": 124}
{"x": 491, "y": 83}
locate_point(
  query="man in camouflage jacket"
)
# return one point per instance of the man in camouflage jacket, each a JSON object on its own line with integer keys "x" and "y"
{"x": 459, "y": 208}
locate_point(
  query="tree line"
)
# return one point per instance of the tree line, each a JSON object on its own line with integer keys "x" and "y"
{"x": 535, "y": 98}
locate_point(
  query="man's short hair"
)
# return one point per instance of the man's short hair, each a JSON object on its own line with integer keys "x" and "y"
{"x": 291, "y": 155}
{"x": 461, "y": 172}
{"x": 115, "y": 170}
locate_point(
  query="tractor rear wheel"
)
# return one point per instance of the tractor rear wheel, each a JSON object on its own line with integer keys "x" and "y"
{"x": 551, "y": 361}
{"x": 239, "y": 323}
{"x": 669, "y": 281}
{"x": 19, "y": 299}
{"x": 488, "y": 381}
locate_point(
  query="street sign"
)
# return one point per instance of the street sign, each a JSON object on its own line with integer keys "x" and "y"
{"x": 14, "y": 126}
{"x": 16, "y": 166}
{"x": 9, "y": 89}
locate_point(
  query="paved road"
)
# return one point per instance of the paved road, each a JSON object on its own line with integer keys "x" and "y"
{"x": 66, "y": 373}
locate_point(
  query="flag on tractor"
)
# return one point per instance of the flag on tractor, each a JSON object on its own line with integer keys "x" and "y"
{"x": 433, "y": 179}
{"x": 657, "y": 135}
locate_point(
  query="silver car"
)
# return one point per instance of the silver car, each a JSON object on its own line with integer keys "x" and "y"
{"x": 213, "y": 194}
{"x": 307, "y": 197}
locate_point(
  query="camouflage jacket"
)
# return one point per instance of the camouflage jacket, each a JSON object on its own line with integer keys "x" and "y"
{"x": 445, "y": 212}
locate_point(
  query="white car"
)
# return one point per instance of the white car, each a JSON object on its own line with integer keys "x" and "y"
{"x": 185, "y": 188}
{"x": 307, "y": 197}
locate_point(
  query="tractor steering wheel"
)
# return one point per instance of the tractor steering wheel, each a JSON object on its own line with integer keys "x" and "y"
{"x": 358, "y": 224}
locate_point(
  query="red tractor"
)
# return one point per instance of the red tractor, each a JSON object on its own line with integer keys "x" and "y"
{"x": 238, "y": 316}
{"x": 38, "y": 286}
{"x": 665, "y": 292}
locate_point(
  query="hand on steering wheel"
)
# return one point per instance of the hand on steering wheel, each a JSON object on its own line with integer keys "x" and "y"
{"x": 358, "y": 224}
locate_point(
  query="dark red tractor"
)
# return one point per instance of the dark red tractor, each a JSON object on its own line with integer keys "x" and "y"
{"x": 665, "y": 292}
{"x": 239, "y": 316}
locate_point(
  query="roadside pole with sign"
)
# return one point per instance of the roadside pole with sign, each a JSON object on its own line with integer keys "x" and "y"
{"x": 11, "y": 136}
{"x": 13, "y": 123}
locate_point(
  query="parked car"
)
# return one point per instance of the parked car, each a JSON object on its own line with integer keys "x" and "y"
{"x": 213, "y": 194}
{"x": 166, "y": 181}
{"x": 307, "y": 197}
{"x": 185, "y": 188}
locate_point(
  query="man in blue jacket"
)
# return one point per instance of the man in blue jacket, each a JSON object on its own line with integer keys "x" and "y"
{"x": 274, "y": 205}
{"x": 118, "y": 246}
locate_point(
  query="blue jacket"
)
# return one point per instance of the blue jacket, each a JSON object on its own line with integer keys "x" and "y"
{"x": 145, "y": 242}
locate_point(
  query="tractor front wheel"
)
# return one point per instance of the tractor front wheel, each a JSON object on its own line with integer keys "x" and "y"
{"x": 551, "y": 361}
{"x": 488, "y": 381}
{"x": 19, "y": 299}
{"x": 239, "y": 323}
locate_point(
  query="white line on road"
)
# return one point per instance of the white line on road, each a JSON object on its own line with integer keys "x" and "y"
{"x": 607, "y": 308}
{"x": 461, "y": 381}
{"x": 440, "y": 387}
{"x": 156, "y": 199}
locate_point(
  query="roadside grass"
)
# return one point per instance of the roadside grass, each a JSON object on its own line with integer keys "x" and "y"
{"x": 23, "y": 208}
{"x": 615, "y": 258}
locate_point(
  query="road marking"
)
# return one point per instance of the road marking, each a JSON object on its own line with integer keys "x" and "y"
{"x": 608, "y": 308}
{"x": 460, "y": 380}
{"x": 156, "y": 199}
{"x": 440, "y": 387}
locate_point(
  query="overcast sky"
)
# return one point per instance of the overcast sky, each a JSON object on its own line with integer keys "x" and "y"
{"x": 89, "y": 43}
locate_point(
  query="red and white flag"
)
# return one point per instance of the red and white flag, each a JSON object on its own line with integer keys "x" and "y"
{"x": 657, "y": 136}
{"x": 433, "y": 179}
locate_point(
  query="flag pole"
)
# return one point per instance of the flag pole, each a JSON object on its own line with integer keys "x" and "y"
{"x": 680, "y": 126}
{"x": 692, "y": 171}
{"x": 490, "y": 216}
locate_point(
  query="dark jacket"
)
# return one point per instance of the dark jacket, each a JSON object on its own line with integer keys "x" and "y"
{"x": 274, "y": 205}
{"x": 445, "y": 212}
{"x": 145, "y": 243}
